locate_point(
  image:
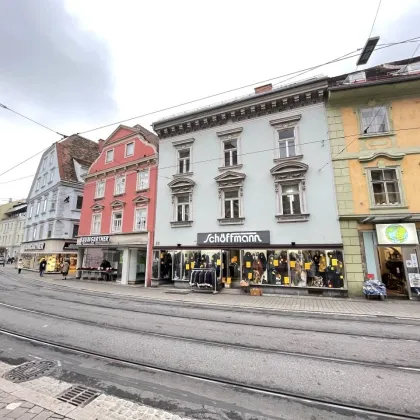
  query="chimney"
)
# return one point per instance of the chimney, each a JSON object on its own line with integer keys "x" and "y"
{"x": 264, "y": 88}
{"x": 101, "y": 145}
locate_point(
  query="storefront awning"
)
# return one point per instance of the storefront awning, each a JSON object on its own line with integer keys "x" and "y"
{"x": 383, "y": 218}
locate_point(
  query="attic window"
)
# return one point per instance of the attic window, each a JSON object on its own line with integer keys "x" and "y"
{"x": 360, "y": 76}
{"x": 413, "y": 68}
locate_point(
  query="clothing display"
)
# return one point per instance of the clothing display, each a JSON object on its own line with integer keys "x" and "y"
{"x": 254, "y": 266}
{"x": 165, "y": 265}
{"x": 204, "y": 279}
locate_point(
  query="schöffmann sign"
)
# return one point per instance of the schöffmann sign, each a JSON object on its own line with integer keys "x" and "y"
{"x": 255, "y": 237}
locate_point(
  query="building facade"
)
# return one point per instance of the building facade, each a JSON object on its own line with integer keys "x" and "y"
{"x": 239, "y": 192}
{"x": 373, "y": 119}
{"x": 118, "y": 214}
{"x": 12, "y": 225}
{"x": 55, "y": 202}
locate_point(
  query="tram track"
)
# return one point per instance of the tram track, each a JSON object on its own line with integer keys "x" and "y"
{"x": 322, "y": 403}
{"x": 178, "y": 304}
{"x": 216, "y": 343}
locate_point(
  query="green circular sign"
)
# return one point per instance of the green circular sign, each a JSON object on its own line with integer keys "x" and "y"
{"x": 397, "y": 234}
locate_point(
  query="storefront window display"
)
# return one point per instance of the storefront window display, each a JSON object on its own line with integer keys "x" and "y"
{"x": 277, "y": 268}
{"x": 156, "y": 264}
{"x": 54, "y": 261}
{"x": 254, "y": 266}
{"x": 166, "y": 265}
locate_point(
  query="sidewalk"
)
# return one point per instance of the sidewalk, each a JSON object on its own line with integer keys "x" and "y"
{"x": 275, "y": 303}
{"x": 37, "y": 400}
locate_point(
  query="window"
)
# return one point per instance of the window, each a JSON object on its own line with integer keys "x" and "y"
{"x": 109, "y": 156}
{"x": 231, "y": 204}
{"x": 129, "y": 149}
{"x": 34, "y": 233}
{"x": 38, "y": 206}
{"x": 287, "y": 143}
{"x": 374, "y": 120}
{"x": 53, "y": 201}
{"x": 140, "y": 221}
{"x": 50, "y": 229}
{"x": 290, "y": 199}
{"x": 51, "y": 176}
{"x": 182, "y": 208}
{"x": 385, "y": 187}
{"x": 44, "y": 204}
{"x": 230, "y": 150}
{"x": 360, "y": 76}
{"x": 27, "y": 235}
{"x": 100, "y": 189}
{"x": 116, "y": 225}
{"x": 119, "y": 184}
{"x": 41, "y": 231}
{"x": 51, "y": 158}
{"x": 44, "y": 164}
{"x": 79, "y": 202}
{"x": 289, "y": 183}
{"x": 75, "y": 231}
{"x": 44, "y": 180}
{"x": 143, "y": 179}
{"x": 96, "y": 223}
{"x": 184, "y": 161}
{"x": 38, "y": 183}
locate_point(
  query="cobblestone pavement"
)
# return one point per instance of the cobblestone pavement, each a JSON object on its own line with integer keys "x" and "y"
{"x": 347, "y": 306}
{"x": 36, "y": 400}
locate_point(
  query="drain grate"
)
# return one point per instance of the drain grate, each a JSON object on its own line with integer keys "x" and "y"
{"x": 78, "y": 395}
{"x": 29, "y": 371}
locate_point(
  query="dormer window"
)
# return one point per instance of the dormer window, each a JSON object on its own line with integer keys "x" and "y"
{"x": 360, "y": 76}
{"x": 109, "y": 157}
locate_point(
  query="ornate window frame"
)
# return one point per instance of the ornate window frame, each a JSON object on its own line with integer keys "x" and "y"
{"x": 181, "y": 186}
{"x": 180, "y": 145}
{"x": 290, "y": 173}
{"x": 229, "y": 135}
{"x": 228, "y": 181}
{"x": 284, "y": 123}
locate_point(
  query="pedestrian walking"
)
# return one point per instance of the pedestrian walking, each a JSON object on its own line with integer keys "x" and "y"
{"x": 65, "y": 269}
{"x": 42, "y": 267}
{"x": 20, "y": 265}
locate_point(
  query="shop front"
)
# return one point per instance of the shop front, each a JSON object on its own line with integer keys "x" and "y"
{"x": 248, "y": 256}
{"x": 120, "y": 258}
{"x": 392, "y": 256}
{"x": 55, "y": 253}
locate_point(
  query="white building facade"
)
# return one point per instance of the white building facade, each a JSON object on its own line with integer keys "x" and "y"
{"x": 12, "y": 227}
{"x": 241, "y": 190}
{"x": 54, "y": 204}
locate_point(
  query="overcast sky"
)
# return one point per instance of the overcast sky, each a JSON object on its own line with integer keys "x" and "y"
{"x": 78, "y": 64}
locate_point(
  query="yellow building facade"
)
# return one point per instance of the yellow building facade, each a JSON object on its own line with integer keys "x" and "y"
{"x": 374, "y": 131}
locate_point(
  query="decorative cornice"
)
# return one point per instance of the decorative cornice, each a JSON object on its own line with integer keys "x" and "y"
{"x": 141, "y": 199}
{"x": 386, "y": 155}
{"x": 230, "y": 176}
{"x": 291, "y": 119}
{"x": 261, "y": 106}
{"x": 97, "y": 207}
{"x": 181, "y": 185}
{"x": 289, "y": 170}
{"x": 117, "y": 203}
{"x": 182, "y": 143}
{"x": 229, "y": 132}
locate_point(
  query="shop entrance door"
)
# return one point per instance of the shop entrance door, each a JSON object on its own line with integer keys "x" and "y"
{"x": 392, "y": 271}
{"x": 411, "y": 265}
{"x": 232, "y": 267}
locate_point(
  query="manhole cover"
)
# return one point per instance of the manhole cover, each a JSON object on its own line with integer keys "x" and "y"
{"x": 78, "y": 395}
{"x": 29, "y": 371}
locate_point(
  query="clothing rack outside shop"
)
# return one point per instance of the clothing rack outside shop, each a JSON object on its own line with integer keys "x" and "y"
{"x": 204, "y": 280}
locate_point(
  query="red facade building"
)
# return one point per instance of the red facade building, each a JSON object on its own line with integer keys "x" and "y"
{"x": 119, "y": 206}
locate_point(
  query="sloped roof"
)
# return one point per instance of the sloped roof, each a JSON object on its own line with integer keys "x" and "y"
{"x": 137, "y": 129}
{"x": 75, "y": 147}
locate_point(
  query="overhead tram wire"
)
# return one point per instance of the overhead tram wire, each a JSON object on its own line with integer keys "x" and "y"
{"x": 299, "y": 72}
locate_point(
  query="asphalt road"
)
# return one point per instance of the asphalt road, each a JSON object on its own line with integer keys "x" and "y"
{"x": 372, "y": 363}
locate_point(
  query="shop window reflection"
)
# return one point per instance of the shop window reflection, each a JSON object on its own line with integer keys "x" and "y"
{"x": 165, "y": 265}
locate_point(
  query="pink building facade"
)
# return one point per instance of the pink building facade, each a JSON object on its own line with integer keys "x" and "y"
{"x": 119, "y": 206}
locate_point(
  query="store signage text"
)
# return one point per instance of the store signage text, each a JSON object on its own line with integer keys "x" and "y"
{"x": 35, "y": 247}
{"x": 69, "y": 245}
{"x": 94, "y": 239}
{"x": 397, "y": 234}
{"x": 259, "y": 237}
